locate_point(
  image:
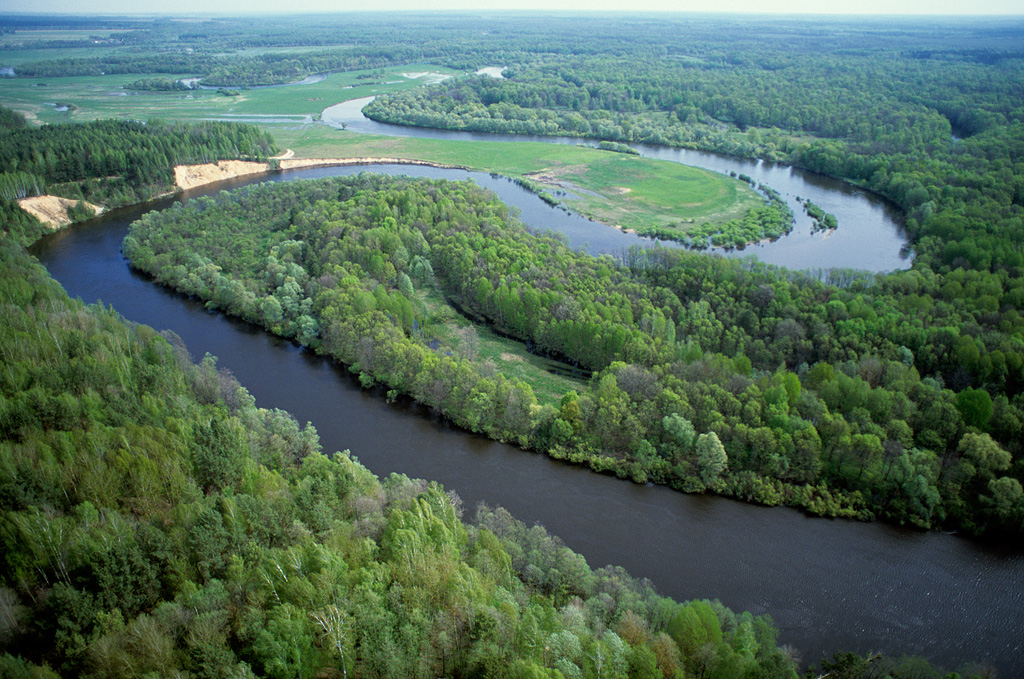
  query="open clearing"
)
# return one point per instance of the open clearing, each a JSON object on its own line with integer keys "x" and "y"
{"x": 614, "y": 188}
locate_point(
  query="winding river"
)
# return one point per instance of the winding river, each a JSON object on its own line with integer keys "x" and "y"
{"x": 870, "y": 236}
{"x": 828, "y": 584}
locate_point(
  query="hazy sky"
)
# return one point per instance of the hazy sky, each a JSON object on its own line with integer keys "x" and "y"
{"x": 296, "y": 6}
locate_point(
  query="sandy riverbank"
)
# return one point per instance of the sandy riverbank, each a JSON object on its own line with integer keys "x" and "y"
{"x": 52, "y": 210}
{"x": 191, "y": 176}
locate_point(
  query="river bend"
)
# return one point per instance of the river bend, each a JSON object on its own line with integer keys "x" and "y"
{"x": 870, "y": 236}
{"x": 828, "y": 584}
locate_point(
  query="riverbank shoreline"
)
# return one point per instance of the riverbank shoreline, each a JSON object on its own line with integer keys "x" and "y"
{"x": 52, "y": 211}
{"x": 192, "y": 176}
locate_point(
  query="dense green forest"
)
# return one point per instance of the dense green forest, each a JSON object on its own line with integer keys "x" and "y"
{"x": 709, "y": 373}
{"x": 110, "y": 162}
{"x": 154, "y": 522}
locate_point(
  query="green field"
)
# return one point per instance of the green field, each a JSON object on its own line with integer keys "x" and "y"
{"x": 637, "y": 192}
{"x": 548, "y": 379}
{"x": 29, "y": 35}
{"x": 96, "y": 97}
{"x": 632, "y": 192}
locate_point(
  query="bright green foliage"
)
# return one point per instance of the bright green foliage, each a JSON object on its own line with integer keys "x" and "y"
{"x": 711, "y": 457}
{"x": 171, "y": 528}
{"x": 987, "y": 456}
{"x": 332, "y": 263}
{"x": 1005, "y": 498}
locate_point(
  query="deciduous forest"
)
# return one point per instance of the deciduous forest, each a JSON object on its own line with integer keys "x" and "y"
{"x": 155, "y": 522}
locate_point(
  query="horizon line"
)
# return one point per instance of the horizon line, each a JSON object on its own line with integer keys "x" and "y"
{"x": 428, "y": 12}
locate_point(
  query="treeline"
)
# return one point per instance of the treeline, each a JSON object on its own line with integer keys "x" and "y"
{"x": 712, "y": 374}
{"x": 116, "y": 64}
{"x": 276, "y": 69}
{"x": 154, "y": 522}
{"x": 228, "y": 71}
{"x": 159, "y": 85}
{"x": 114, "y": 162}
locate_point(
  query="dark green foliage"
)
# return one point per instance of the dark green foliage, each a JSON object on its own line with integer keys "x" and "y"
{"x": 117, "y": 162}
{"x": 158, "y": 84}
{"x": 11, "y": 120}
{"x": 19, "y": 224}
{"x": 617, "y": 147}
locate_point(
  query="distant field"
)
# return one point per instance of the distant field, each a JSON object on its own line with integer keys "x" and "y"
{"x": 97, "y": 97}
{"x": 622, "y": 190}
{"x": 28, "y": 36}
{"x": 10, "y": 56}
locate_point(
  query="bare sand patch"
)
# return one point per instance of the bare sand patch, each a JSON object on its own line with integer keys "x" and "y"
{"x": 191, "y": 176}
{"x": 53, "y": 210}
{"x": 555, "y": 178}
{"x": 506, "y": 356}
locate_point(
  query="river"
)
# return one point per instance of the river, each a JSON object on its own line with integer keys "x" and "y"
{"x": 828, "y": 584}
{"x": 870, "y": 236}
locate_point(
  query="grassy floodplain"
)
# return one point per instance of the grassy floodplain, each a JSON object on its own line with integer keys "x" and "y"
{"x": 549, "y": 379}
{"x": 617, "y": 189}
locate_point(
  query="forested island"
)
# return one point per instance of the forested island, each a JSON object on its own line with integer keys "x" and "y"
{"x": 155, "y": 520}
{"x": 337, "y": 266}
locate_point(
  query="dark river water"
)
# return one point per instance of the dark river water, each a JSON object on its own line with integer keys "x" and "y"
{"x": 870, "y": 234}
{"x": 828, "y": 584}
